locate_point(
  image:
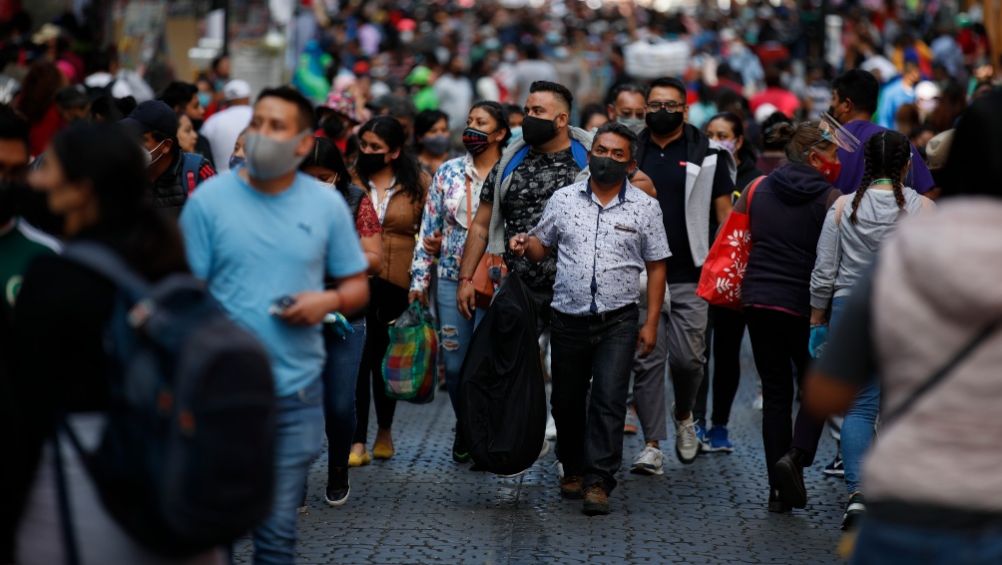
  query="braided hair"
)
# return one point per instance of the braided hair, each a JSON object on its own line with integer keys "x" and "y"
{"x": 885, "y": 155}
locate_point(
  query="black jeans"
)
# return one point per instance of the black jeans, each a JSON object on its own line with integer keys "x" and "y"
{"x": 726, "y": 330}
{"x": 386, "y": 302}
{"x": 595, "y": 351}
{"x": 779, "y": 342}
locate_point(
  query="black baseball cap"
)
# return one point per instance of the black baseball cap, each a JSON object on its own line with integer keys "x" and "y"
{"x": 152, "y": 116}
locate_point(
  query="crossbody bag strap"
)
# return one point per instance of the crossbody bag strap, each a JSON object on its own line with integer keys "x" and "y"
{"x": 63, "y": 499}
{"x": 469, "y": 201}
{"x": 943, "y": 372}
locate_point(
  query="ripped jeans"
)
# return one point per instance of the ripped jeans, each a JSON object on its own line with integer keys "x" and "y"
{"x": 454, "y": 335}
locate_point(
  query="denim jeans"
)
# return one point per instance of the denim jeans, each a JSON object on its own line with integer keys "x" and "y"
{"x": 454, "y": 335}
{"x": 298, "y": 438}
{"x": 882, "y": 541}
{"x": 596, "y": 351}
{"x": 857, "y": 428}
{"x": 344, "y": 355}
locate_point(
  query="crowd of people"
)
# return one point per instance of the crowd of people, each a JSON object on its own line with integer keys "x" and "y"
{"x": 530, "y": 142}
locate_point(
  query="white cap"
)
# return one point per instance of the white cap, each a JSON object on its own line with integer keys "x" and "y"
{"x": 236, "y": 89}
{"x": 764, "y": 111}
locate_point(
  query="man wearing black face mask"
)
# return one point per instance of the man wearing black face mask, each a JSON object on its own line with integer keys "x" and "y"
{"x": 610, "y": 232}
{"x": 549, "y": 156}
{"x": 693, "y": 182}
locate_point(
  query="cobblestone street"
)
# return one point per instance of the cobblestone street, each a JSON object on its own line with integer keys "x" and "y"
{"x": 420, "y": 507}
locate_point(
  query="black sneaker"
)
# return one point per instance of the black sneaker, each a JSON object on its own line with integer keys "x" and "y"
{"x": 853, "y": 512}
{"x": 790, "y": 479}
{"x": 338, "y": 488}
{"x": 835, "y": 468}
{"x": 460, "y": 451}
{"x": 776, "y": 503}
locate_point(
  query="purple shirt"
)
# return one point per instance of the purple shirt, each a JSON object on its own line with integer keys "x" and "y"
{"x": 853, "y": 163}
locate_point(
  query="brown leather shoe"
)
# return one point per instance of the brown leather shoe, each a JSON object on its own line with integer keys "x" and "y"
{"x": 596, "y": 501}
{"x": 572, "y": 487}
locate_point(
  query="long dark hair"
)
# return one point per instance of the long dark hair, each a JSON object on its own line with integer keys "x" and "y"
{"x": 325, "y": 154}
{"x": 973, "y": 167}
{"x": 886, "y": 155}
{"x": 38, "y": 92}
{"x": 112, "y": 163}
{"x": 405, "y": 166}
{"x": 738, "y": 128}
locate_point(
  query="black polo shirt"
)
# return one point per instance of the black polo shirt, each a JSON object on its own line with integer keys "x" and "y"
{"x": 666, "y": 167}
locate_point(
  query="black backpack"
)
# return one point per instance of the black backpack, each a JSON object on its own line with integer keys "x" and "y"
{"x": 502, "y": 395}
{"x": 185, "y": 462}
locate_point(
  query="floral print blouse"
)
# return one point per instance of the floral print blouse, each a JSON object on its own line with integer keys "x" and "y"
{"x": 445, "y": 212}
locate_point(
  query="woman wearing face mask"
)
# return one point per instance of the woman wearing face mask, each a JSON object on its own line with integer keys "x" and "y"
{"x": 728, "y": 326}
{"x": 93, "y": 177}
{"x": 397, "y": 188}
{"x": 344, "y": 348}
{"x": 452, "y": 201}
{"x": 787, "y": 212}
{"x": 431, "y": 134}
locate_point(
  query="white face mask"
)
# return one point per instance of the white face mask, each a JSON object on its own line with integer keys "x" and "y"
{"x": 148, "y": 155}
{"x": 268, "y": 158}
{"x": 728, "y": 144}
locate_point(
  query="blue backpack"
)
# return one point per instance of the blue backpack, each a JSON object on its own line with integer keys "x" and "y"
{"x": 578, "y": 150}
{"x": 185, "y": 462}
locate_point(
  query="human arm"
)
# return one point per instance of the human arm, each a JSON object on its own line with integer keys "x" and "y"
{"x": 825, "y": 268}
{"x": 528, "y": 246}
{"x": 657, "y": 272}
{"x": 723, "y": 187}
{"x": 476, "y": 244}
{"x": 349, "y": 295}
{"x": 722, "y": 207}
{"x": 849, "y": 359}
{"x": 432, "y": 222}
{"x": 644, "y": 183}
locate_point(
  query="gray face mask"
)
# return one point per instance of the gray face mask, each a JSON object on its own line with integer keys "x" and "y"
{"x": 637, "y": 125}
{"x": 268, "y": 159}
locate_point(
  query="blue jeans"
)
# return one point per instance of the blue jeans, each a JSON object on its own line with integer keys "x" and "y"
{"x": 857, "y": 428}
{"x": 593, "y": 352}
{"x": 300, "y": 422}
{"x": 454, "y": 333}
{"x": 882, "y": 542}
{"x": 344, "y": 355}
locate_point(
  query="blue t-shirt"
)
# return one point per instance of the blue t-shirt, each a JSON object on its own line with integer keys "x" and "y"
{"x": 253, "y": 248}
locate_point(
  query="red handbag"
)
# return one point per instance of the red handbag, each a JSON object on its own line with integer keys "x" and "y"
{"x": 491, "y": 269}
{"x": 724, "y": 268}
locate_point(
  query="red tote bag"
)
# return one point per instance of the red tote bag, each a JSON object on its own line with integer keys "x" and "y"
{"x": 724, "y": 268}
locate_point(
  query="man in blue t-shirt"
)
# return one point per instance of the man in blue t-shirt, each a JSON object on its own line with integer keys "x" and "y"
{"x": 262, "y": 233}
{"x": 854, "y": 99}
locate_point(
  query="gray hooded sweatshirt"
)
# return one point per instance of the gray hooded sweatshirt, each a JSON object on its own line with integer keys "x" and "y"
{"x": 845, "y": 250}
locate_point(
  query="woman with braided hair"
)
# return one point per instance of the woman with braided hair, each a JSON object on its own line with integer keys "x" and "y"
{"x": 852, "y": 234}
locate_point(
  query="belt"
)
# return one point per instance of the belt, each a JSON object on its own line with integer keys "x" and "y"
{"x": 601, "y": 317}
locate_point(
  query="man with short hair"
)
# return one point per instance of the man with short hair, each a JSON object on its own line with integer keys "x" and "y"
{"x": 263, "y": 237}
{"x": 223, "y": 127}
{"x": 897, "y": 93}
{"x": 854, "y": 100}
{"x": 605, "y": 233}
{"x": 628, "y": 106}
{"x": 549, "y": 156}
{"x": 173, "y": 172}
{"x": 694, "y": 182}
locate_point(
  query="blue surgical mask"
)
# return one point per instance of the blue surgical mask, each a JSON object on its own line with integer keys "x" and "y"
{"x": 516, "y": 134}
{"x": 236, "y": 161}
{"x": 204, "y": 99}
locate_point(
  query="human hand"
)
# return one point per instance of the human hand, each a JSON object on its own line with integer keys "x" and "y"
{"x": 433, "y": 244}
{"x": 466, "y": 299}
{"x": 646, "y": 339}
{"x": 519, "y": 244}
{"x": 309, "y": 308}
{"x": 419, "y": 296}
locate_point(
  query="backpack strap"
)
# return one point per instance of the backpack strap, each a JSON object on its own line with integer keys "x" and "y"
{"x": 580, "y": 154}
{"x": 191, "y": 163}
{"x": 840, "y": 208}
{"x": 515, "y": 161}
{"x": 105, "y": 262}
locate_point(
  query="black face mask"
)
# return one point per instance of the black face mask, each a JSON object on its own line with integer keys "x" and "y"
{"x": 537, "y": 131}
{"x": 9, "y": 193}
{"x": 664, "y": 122}
{"x": 607, "y": 171}
{"x": 369, "y": 164}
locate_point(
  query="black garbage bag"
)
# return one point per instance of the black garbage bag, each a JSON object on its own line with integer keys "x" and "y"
{"x": 502, "y": 396}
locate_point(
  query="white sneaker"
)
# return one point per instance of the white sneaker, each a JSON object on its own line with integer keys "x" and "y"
{"x": 686, "y": 441}
{"x": 757, "y": 403}
{"x": 551, "y": 428}
{"x": 650, "y": 461}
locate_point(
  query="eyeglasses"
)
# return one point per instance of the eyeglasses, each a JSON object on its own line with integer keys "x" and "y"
{"x": 670, "y": 107}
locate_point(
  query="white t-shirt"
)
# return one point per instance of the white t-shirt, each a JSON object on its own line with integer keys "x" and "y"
{"x": 222, "y": 130}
